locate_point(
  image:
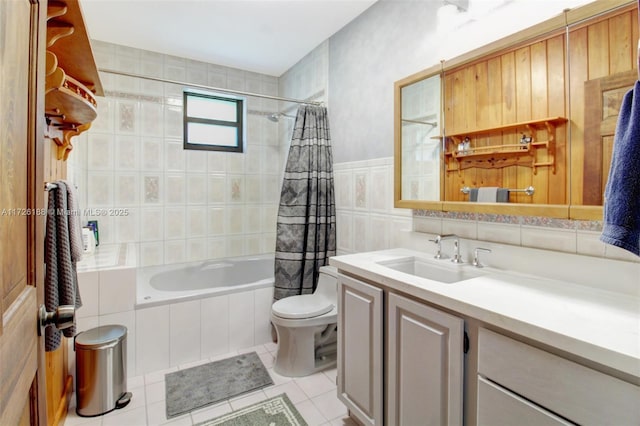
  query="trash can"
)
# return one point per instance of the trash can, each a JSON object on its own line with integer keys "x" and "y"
{"x": 101, "y": 370}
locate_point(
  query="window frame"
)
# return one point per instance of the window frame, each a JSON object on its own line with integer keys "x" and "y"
{"x": 239, "y": 124}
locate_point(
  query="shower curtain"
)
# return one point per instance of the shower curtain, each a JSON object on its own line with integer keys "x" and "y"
{"x": 306, "y": 228}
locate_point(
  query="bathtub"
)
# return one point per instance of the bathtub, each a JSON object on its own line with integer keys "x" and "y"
{"x": 194, "y": 311}
{"x": 158, "y": 285}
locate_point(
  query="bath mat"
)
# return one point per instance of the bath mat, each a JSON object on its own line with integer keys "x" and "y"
{"x": 199, "y": 386}
{"x": 276, "y": 411}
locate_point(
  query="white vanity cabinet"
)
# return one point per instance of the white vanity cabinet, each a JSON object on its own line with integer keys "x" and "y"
{"x": 424, "y": 362}
{"x": 499, "y": 348}
{"x": 360, "y": 350}
{"x": 524, "y": 385}
{"x": 423, "y": 359}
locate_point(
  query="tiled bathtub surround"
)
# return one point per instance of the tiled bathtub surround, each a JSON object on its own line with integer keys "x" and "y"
{"x": 165, "y": 336}
{"x": 180, "y": 205}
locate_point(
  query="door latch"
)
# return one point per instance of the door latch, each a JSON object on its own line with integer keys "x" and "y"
{"x": 62, "y": 317}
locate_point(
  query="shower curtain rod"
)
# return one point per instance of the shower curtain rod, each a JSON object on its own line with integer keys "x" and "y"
{"x": 216, "y": 89}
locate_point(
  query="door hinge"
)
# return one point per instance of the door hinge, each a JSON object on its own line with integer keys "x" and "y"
{"x": 465, "y": 344}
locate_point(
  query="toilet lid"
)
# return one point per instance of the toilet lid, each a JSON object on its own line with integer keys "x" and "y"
{"x": 303, "y": 306}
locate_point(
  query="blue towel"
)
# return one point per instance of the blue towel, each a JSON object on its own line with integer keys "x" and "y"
{"x": 622, "y": 194}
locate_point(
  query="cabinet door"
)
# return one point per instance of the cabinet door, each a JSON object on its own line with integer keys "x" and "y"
{"x": 425, "y": 365}
{"x": 360, "y": 349}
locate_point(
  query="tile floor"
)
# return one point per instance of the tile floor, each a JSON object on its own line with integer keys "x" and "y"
{"x": 314, "y": 396}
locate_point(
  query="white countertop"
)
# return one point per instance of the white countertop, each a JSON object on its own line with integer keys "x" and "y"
{"x": 595, "y": 324}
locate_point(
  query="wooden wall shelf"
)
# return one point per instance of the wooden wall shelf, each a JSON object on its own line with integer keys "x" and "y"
{"x": 504, "y": 155}
{"x": 72, "y": 80}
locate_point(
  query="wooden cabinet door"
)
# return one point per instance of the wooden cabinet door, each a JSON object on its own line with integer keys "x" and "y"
{"x": 360, "y": 351}
{"x": 603, "y": 98}
{"x": 22, "y": 386}
{"x": 424, "y": 365}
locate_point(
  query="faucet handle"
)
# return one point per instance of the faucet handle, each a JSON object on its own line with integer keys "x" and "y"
{"x": 457, "y": 258}
{"x": 476, "y": 256}
{"x": 438, "y": 241}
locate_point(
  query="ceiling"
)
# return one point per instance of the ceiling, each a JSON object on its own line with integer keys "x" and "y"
{"x": 263, "y": 36}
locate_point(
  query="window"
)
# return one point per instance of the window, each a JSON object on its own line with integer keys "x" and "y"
{"x": 213, "y": 122}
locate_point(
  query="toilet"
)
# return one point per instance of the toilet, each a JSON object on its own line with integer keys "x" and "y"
{"x": 307, "y": 328}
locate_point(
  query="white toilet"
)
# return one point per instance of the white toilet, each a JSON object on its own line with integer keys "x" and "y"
{"x": 306, "y": 327}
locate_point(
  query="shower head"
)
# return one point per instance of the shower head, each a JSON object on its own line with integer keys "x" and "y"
{"x": 275, "y": 117}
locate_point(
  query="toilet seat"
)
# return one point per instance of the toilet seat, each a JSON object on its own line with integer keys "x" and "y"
{"x": 302, "y": 306}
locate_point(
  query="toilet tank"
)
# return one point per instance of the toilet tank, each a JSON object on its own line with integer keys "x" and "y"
{"x": 328, "y": 283}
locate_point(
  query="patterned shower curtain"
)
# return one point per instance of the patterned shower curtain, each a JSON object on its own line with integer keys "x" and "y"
{"x": 306, "y": 229}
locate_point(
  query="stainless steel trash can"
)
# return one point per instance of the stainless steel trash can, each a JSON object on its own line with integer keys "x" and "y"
{"x": 101, "y": 370}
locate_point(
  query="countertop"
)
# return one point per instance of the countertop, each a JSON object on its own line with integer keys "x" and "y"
{"x": 592, "y": 323}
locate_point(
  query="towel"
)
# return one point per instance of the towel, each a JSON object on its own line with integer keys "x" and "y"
{"x": 621, "y": 226}
{"x": 75, "y": 223}
{"x": 488, "y": 194}
{"x": 61, "y": 279}
{"x": 503, "y": 195}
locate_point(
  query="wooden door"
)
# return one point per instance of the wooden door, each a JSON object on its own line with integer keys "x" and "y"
{"x": 360, "y": 350}
{"x": 424, "y": 364}
{"x": 603, "y": 97}
{"x": 22, "y": 385}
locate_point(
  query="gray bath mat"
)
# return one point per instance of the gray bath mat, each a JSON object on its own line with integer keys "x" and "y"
{"x": 207, "y": 384}
{"x": 276, "y": 411}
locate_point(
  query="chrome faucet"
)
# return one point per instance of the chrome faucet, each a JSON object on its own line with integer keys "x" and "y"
{"x": 456, "y": 247}
{"x": 456, "y": 252}
{"x": 476, "y": 256}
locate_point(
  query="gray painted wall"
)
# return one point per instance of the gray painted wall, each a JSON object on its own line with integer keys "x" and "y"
{"x": 384, "y": 44}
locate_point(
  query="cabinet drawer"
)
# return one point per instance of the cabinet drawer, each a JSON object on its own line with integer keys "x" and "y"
{"x": 573, "y": 391}
{"x": 499, "y": 407}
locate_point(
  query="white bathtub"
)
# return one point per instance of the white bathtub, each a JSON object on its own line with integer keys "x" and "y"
{"x": 158, "y": 285}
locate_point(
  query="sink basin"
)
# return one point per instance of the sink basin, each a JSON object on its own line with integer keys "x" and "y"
{"x": 436, "y": 270}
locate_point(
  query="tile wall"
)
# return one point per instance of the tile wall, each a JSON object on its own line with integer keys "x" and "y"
{"x": 555, "y": 235}
{"x": 365, "y": 217}
{"x": 178, "y": 205}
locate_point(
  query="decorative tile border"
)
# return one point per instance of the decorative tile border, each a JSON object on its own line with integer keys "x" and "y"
{"x": 133, "y": 96}
{"x": 580, "y": 225}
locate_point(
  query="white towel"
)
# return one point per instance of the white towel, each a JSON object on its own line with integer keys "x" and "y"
{"x": 488, "y": 194}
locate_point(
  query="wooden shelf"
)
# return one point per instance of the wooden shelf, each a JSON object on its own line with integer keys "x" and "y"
{"x": 74, "y": 51}
{"x": 72, "y": 81}
{"x": 529, "y": 125}
{"x": 498, "y": 156}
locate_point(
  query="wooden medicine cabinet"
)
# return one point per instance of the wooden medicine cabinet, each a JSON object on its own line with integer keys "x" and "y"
{"x": 533, "y": 113}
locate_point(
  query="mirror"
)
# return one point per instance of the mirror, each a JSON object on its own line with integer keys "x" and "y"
{"x": 421, "y": 146}
{"x": 537, "y": 111}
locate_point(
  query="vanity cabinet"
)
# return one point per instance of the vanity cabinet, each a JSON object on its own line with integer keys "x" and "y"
{"x": 424, "y": 364}
{"x": 360, "y": 350}
{"x": 404, "y": 361}
{"x": 423, "y": 359}
{"x": 521, "y": 384}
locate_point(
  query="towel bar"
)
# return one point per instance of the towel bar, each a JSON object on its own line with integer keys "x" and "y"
{"x": 529, "y": 190}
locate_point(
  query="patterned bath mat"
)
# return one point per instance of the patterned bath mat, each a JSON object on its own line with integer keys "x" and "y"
{"x": 199, "y": 386}
{"x": 276, "y": 411}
